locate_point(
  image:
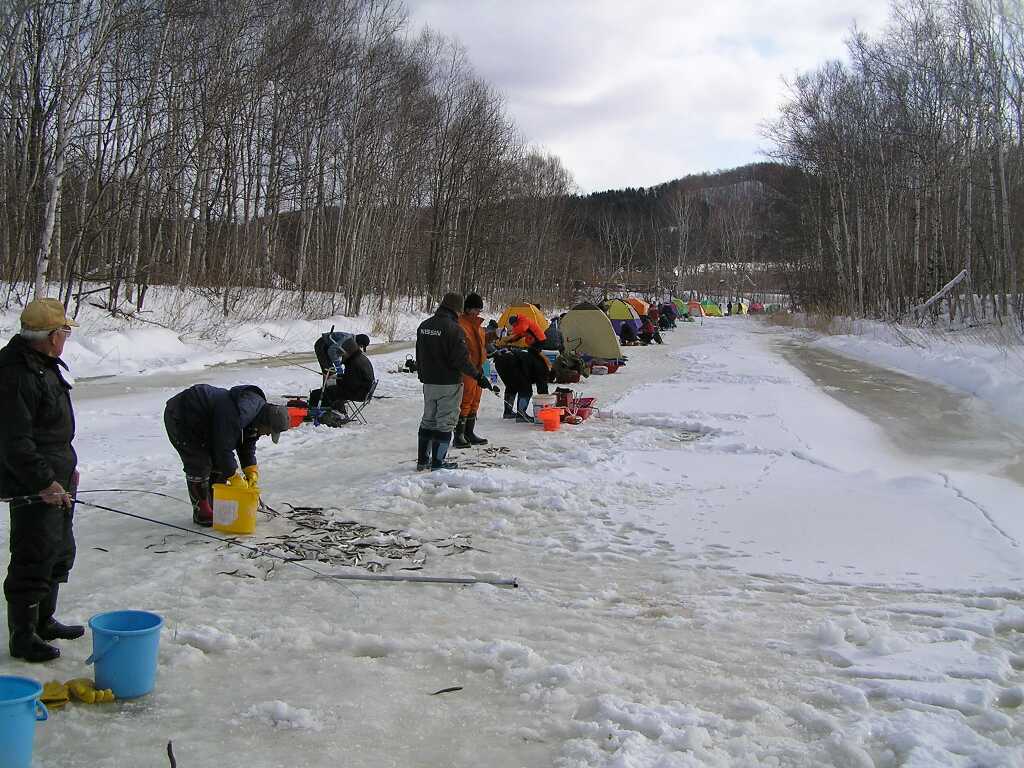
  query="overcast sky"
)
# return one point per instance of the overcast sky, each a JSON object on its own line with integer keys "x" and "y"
{"x": 637, "y": 92}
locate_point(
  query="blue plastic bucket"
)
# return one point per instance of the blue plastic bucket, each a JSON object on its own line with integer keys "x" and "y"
{"x": 125, "y": 645}
{"x": 20, "y": 708}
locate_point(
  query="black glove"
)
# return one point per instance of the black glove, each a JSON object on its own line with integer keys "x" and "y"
{"x": 484, "y": 382}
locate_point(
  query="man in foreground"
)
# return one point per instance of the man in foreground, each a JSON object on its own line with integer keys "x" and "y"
{"x": 38, "y": 471}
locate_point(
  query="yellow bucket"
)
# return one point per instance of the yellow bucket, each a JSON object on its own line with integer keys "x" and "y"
{"x": 234, "y": 509}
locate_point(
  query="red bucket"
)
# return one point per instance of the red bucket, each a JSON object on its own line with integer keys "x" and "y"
{"x": 296, "y": 416}
{"x": 551, "y": 418}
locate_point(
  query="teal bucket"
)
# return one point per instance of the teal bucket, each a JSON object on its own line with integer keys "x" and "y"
{"x": 20, "y": 708}
{"x": 489, "y": 372}
{"x": 125, "y": 645}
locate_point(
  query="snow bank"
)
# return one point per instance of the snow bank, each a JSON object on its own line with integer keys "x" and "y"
{"x": 187, "y": 330}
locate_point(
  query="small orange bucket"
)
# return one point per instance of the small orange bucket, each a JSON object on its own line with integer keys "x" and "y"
{"x": 296, "y": 416}
{"x": 551, "y": 418}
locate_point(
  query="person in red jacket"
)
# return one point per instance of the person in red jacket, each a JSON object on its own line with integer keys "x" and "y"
{"x": 648, "y": 332}
{"x": 525, "y": 328}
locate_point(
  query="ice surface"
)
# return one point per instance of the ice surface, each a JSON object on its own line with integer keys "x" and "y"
{"x": 727, "y": 567}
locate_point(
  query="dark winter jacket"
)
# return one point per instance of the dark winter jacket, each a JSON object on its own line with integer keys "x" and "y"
{"x": 328, "y": 348}
{"x": 441, "y": 353}
{"x": 520, "y": 369}
{"x": 221, "y": 420}
{"x": 38, "y": 422}
{"x": 355, "y": 383}
{"x": 553, "y": 337}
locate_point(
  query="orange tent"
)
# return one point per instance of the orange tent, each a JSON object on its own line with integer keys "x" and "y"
{"x": 696, "y": 310}
{"x": 639, "y": 305}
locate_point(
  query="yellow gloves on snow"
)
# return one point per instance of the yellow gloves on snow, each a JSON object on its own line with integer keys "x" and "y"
{"x": 83, "y": 689}
{"x": 56, "y": 694}
{"x": 252, "y": 475}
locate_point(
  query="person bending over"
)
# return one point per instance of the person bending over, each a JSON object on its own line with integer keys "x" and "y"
{"x": 520, "y": 370}
{"x": 208, "y": 426}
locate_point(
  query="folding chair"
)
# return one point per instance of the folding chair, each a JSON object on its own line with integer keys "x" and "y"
{"x": 354, "y": 409}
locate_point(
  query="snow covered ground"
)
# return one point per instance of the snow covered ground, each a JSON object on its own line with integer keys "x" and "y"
{"x": 729, "y": 567}
{"x": 185, "y": 330}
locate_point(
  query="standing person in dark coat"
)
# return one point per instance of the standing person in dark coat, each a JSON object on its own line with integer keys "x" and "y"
{"x": 38, "y": 471}
{"x": 441, "y": 360}
{"x": 520, "y": 370}
{"x": 207, "y": 426}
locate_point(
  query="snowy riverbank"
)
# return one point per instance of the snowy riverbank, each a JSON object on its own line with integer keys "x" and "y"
{"x": 186, "y": 330}
{"x": 728, "y": 567}
{"x": 979, "y": 362}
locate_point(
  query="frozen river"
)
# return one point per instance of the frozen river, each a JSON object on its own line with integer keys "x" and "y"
{"x": 922, "y": 419}
{"x": 758, "y": 555}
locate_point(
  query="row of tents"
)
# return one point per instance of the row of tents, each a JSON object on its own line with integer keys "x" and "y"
{"x": 592, "y": 332}
{"x": 587, "y": 330}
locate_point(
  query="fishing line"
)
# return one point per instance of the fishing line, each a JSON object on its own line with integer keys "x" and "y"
{"x": 289, "y": 363}
{"x": 136, "y": 490}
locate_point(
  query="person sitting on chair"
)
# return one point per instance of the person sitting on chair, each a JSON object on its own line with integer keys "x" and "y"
{"x": 352, "y": 383}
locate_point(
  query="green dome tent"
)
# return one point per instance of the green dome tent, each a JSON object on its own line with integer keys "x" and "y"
{"x": 711, "y": 309}
{"x": 588, "y": 331}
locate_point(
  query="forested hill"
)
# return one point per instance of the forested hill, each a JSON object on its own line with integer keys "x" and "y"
{"x": 667, "y": 235}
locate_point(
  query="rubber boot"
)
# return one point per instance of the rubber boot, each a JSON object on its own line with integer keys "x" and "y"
{"x": 25, "y": 643}
{"x": 460, "y": 434}
{"x": 424, "y": 438}
{"x": 510, "y": 398}
{"x": 522, "y": 406}
{"x": 439, "y": 451}
{"x": 471, "y": 437}
{"x": 202, "y": 507}
{"x": 48, "y": 627}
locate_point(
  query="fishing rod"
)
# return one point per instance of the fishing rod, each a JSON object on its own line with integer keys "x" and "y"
{"x": 513, "y": 582}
